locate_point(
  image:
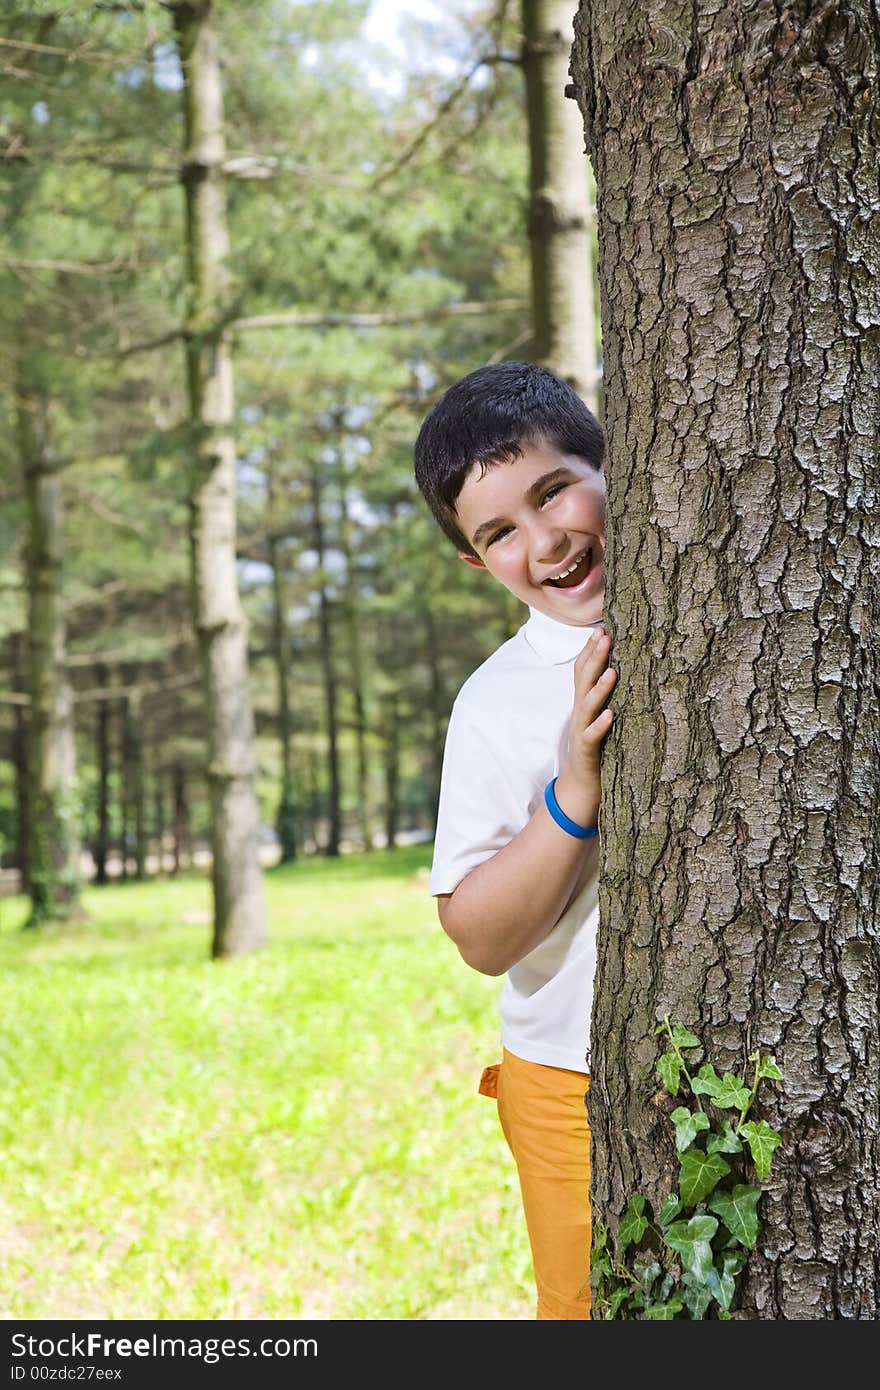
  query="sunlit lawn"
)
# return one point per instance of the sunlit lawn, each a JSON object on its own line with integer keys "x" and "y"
{"x": 293, "y": 1134}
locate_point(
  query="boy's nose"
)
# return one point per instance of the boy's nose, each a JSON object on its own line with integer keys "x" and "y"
{"x": 549, "y": 543}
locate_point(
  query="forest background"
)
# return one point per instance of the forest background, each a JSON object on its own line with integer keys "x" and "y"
{"x": 357, "y": 181}
{"x": 376, "y": 174}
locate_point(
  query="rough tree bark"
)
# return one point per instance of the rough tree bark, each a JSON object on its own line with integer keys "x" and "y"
{"x": 560, "y": 213}
{"x": 53, "y": 868}
{"x": 239, "y": 914}
{"x": 736, "y": 157}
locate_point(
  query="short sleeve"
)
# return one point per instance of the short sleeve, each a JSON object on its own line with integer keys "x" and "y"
{"x": 481, "y": 807}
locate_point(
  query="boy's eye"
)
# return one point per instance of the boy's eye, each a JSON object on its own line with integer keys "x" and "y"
{"x": 552, "y": 491}
{"x": 499, "y": 535}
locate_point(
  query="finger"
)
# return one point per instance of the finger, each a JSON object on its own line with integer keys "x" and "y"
{"x": 595, "y": 661}
{"x": 593, "y": 697}
{"x": 590, "y": 644}
{"x": 600, "y": 725}
{"x": 597, "y": 642}
{"x": 594, "y": 732}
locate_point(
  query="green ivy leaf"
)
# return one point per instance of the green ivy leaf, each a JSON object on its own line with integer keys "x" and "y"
{"x": 647, "y": 1274}
{"x": 690, "y": 1240}
{"x": 669, "y": 1069}
{"x": 688, "y": 1124}
{"x": 732, "y": 1094}
{"x": 707, "y": 1082}
{"x": 699, "y": 1174}
{"x": 697, "y": 1297}
{"x": 683, "y": 1037}
{"x": 616, "y": 1300}
{"x": 633, "y": 1224}
{"x": 721, "y": 1281}
{"x": 738, "y": 1211}
{"x": 766, "y": 1067}
{"x": 762, "y": 1140}
{"x": 670, "y": 1207}
{"x": 664, "y": 1312}
{"x": 724, "y": 1141}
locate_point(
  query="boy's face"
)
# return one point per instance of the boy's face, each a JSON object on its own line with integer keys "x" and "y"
{"x": 534, "y": 520}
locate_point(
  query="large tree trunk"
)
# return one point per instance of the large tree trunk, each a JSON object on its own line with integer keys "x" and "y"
{"x": 239, "y": 916}
{"x": 54, "y": 875}
{"x": 736, "y": 160}
{"x": 560, "y": 212}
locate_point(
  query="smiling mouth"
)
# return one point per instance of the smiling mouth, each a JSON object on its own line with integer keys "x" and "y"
{"x": 576, "y": 572}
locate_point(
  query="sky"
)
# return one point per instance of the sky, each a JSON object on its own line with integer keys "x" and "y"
{"x": 389, "y": 24}
{"x": 383, "y": 16}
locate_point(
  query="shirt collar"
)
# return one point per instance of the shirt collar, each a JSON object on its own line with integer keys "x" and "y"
{"x": 554, "y": 642}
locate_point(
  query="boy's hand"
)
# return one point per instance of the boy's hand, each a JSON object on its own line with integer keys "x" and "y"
{"x": 579, "y": 787}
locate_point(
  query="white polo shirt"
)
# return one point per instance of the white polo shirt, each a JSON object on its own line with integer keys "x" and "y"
{"x": 507, "y": 737}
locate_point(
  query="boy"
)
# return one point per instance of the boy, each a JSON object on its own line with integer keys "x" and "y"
{"x": 510, "y": 463}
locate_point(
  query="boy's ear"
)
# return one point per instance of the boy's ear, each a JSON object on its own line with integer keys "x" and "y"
{"x": 471, "y": 560}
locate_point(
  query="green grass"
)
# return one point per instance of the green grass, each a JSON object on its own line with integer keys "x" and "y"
{"x": 292, "y": 1134}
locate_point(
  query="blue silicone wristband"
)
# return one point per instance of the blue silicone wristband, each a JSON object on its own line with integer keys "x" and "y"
{"x": 580, "y": 832}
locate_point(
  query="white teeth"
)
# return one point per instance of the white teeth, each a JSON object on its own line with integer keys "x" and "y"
{"x": 573, "y": 566}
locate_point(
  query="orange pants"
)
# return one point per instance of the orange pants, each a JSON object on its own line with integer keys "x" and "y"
{"x": 544, "y": 1117}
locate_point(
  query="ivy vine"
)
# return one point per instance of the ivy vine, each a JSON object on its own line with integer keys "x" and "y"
{"x": 683, "y": 1261}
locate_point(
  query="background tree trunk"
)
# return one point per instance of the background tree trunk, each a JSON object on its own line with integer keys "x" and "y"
{"x": 328, "y": 672}
{"x": 182, "y": 831}
{"x": 285, "y": 820}
{"x": 124, "y": 784}
{"x": 313, "y": 798}
{"x": 356, "y": 664}
{"x": 239, "y": 916}
{"x": 20, "y": 740}
{"x": 737, "y": 174}
{"x": 134, "y": 776}
{"x": 102, "y": 759}
{"x": 437, "y": 705}
{"x": 53, "y": 870}
{"x": 560, "y": 212}
{"x": 391, "y": 733}
{"x": 159, "y": 775}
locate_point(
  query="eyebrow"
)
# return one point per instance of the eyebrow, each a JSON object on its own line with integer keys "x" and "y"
{"x": 534, "y": 491}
